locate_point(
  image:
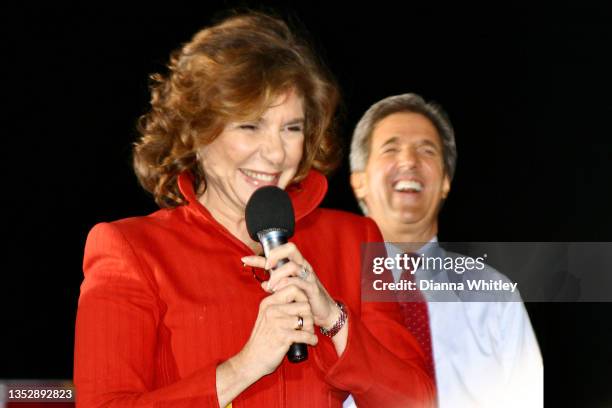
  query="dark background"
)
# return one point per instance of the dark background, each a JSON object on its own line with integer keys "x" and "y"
{"x": 528, "y": 91}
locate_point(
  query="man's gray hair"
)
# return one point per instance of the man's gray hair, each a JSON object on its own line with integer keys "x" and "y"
{"x": 409, "y": 102}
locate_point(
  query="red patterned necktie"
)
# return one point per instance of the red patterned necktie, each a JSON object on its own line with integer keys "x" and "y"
{"x": 416, "y": 318}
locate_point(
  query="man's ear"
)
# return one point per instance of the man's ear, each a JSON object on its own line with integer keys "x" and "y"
{"x": 359, "y": 184}
{"x": 445, "y": 186}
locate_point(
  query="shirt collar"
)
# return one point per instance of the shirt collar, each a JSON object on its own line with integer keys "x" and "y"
{"x": 430, "y": 249}
{"x": 305, "y": 195}
{"x": 426, "y": 249}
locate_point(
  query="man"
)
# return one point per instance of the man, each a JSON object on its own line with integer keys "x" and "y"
{"x": 403, "y": 158}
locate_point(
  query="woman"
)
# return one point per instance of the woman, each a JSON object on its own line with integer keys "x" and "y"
{"x": 170, "y": 312}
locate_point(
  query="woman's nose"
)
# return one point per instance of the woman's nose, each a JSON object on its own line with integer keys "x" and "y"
{"x": 272, "y": 148}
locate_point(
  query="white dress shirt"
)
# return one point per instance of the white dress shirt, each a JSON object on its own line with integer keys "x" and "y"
{"x": 485, "y": 353}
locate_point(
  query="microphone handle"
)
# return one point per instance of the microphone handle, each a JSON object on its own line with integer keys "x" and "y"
{"x": 269, "y": 240}
{"x": 298, "y": 352}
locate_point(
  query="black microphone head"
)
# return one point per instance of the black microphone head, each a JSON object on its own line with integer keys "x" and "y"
{"x": 269, "y": 207}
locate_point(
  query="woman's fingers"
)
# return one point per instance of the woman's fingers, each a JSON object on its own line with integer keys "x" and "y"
{"x": 287, "y": 251}
{"x": 308, "y": 288}
{"x": 284, "y": 317}
{"x": 302, "y": 336}
{"x": 323, "y": 307}
{"x": 307, "y": 324}
{"x": 254, "y": 260}
{"x": 288, "y": 294}
{"x": 292, "y": 316}
{"x": 297, "y": 274}
{"x": 291, "y": 322}
{"x": 289, "y": 309}
{"x": 287, "y": 270}
{"x": 297, "y": 265}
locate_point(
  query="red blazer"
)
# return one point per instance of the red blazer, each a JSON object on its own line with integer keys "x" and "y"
{"x": 166, "y": 299}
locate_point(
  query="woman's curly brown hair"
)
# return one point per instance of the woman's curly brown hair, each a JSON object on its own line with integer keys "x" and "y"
{"x": 231, "y": 71}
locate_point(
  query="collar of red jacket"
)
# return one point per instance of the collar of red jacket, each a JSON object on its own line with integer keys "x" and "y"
{"x": 305, "y": 195}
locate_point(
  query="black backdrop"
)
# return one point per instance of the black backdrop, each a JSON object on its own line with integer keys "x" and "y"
{"x": 528, "y": 92}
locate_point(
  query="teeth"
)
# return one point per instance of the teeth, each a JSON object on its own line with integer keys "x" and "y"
{"x": 406, "y": 185}
{"x": 259, "y": 176}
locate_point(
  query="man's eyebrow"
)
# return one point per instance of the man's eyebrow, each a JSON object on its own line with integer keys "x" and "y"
{"x": 427, "y": 142}
{"x": 391, "y": 140}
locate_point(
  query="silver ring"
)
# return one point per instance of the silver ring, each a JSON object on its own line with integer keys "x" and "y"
{"x": 300, "y": 323}
{"x": 304, "y": 273}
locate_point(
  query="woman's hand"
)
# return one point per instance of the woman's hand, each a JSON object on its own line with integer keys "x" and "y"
{"x": 297, "y": 273}
{"x": 295, "y": 292}
{"x": 276, "y": 328}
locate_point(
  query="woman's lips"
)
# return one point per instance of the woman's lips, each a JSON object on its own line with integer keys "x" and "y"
{"x": 258, "y": 178}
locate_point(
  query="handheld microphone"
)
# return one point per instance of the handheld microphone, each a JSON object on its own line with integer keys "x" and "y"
{"x": 270, "y": 221}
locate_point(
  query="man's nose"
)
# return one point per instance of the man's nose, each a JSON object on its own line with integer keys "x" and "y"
{"x": 408, "y": 157}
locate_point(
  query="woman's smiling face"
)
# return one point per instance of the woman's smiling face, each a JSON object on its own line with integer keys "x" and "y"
{"x": 248, "y": 155}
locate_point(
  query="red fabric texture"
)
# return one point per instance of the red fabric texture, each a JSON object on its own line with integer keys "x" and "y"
{"x": 40, "y": 405}
{"x": 166, "y": 299}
